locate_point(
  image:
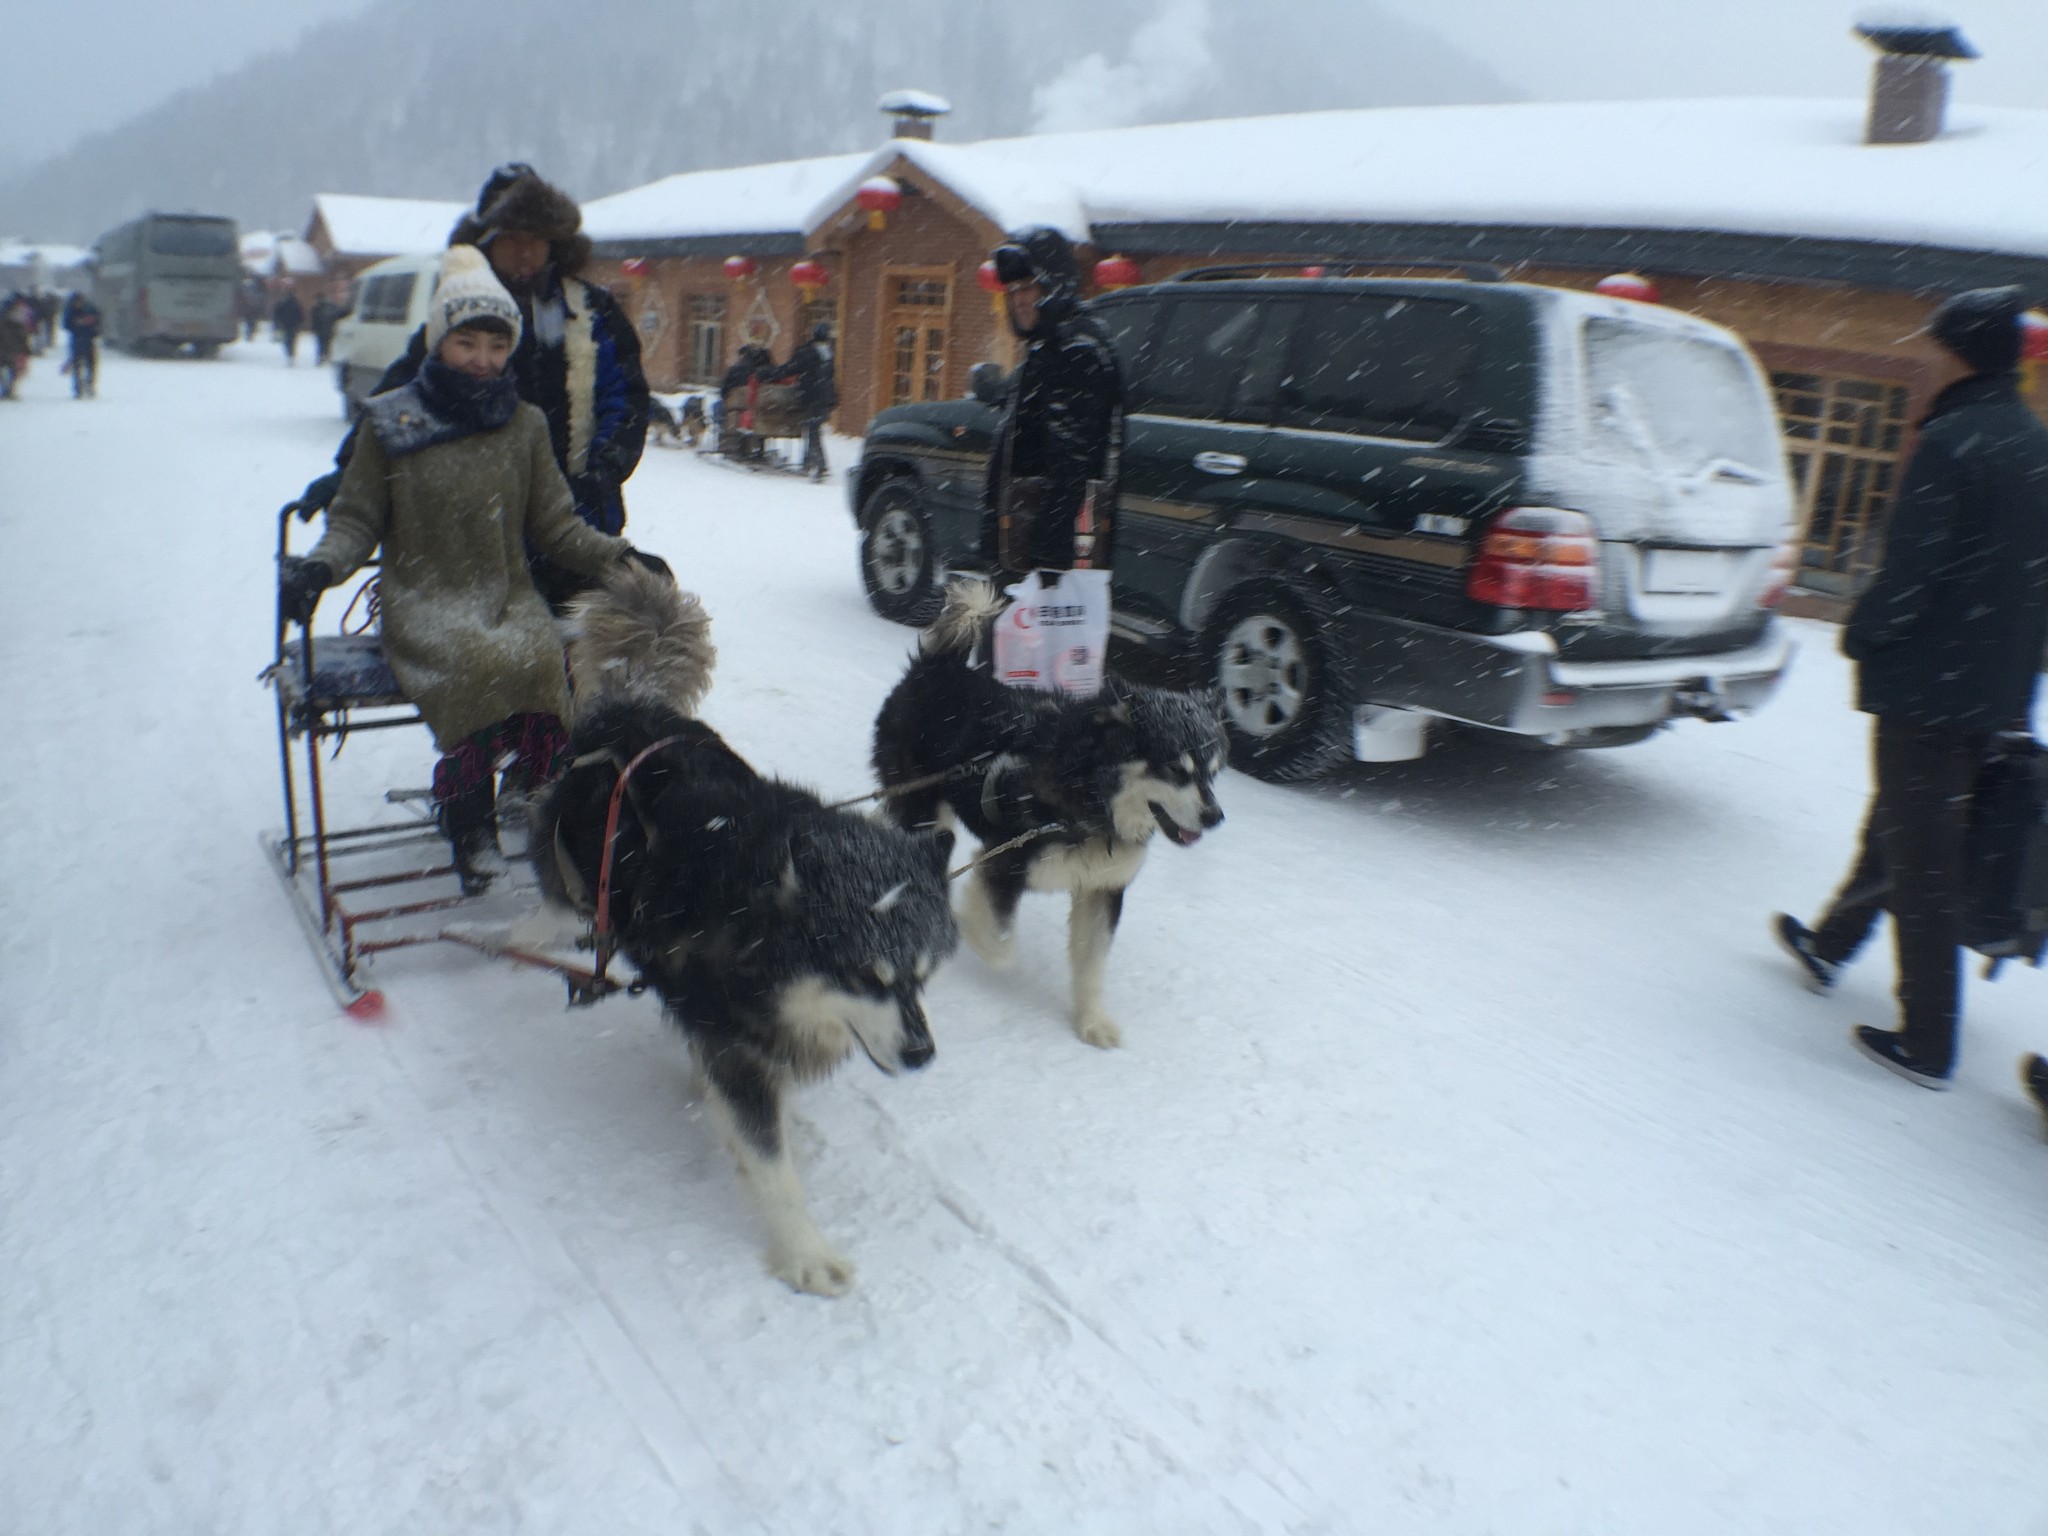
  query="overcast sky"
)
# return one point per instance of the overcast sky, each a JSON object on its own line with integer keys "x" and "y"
{"x": 140, "y": 52}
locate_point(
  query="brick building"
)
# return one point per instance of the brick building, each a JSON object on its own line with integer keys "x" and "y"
{"x": 1801, "y": 225}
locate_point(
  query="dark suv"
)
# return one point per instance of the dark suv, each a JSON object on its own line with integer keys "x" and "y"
{"x": 1366, "y": 505}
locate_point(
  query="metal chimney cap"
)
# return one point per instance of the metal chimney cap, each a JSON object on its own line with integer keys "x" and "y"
{"x": 914, "y": 103}
{"x": 1928, "y": 40}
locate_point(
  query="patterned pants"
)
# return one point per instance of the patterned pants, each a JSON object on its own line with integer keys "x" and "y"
{"x": 528, "y": 746}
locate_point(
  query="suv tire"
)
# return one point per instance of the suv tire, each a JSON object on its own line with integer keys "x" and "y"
{"x": 1287, "y": 697}
{"x": 896, "y": 551}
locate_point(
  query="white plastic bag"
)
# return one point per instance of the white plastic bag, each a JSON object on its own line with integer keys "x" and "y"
{"x": 1054, "y": 635}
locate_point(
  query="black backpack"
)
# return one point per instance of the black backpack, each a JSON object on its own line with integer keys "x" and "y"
{"x": 2006, "y": 914}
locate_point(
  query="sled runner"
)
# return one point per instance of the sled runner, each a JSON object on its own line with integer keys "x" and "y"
{"x": 750, "y": 420}
{"x": 390, "y": 882}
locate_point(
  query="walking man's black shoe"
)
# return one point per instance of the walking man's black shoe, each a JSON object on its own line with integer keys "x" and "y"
{"x": 1796, "y": 939}
{"x": 2034, "y": 1078}
{"x": 1888, "y": 1050}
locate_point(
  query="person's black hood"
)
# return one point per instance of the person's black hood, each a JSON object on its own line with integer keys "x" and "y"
{"x": 1056, "y": 271}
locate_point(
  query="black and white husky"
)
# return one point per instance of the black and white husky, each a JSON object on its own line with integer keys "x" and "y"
{"x": 779, "y": 934}
{"x": 1075, "y": 788}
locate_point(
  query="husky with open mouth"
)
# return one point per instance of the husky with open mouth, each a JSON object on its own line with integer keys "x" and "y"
{"x": 782, "y": 936}
{"x": 1066, "y": 794}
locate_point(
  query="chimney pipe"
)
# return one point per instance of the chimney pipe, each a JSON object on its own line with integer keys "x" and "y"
{"x": 912, "y": 112}
{"x": 1909, "y": 90}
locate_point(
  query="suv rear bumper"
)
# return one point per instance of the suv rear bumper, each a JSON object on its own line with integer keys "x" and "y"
{"x": 1517, "y": 683}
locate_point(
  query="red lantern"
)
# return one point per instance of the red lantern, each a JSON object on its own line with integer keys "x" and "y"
{"x": 634, "y": 266}
{"x": 881, "y": 197}
{"x": 990, "y": 280}
{"x": 809, "y": 276}
{"x": 2034, "y": 336}
{"x": 1114, "y": 272}
{"x": 1311, "y": 271}
{"x": 737, "y": 267}
{"x": 1628, "y": 285}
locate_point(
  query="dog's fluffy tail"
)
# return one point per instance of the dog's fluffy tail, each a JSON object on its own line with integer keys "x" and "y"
{"x": 641, "y": 635}
{"x": 972, "y": 604}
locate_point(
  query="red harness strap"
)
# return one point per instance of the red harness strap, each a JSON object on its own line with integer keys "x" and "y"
{"x": 603, "y": 937}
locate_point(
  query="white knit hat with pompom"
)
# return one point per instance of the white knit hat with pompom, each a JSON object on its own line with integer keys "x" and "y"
{"x": 468, "y": 290}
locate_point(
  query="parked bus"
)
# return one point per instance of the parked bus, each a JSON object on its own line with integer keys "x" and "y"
{"x": 167, "y": 280}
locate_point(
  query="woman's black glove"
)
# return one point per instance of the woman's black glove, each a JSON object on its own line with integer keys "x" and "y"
{"x": 653, "y": 563}
{"x": 299, "y": 585}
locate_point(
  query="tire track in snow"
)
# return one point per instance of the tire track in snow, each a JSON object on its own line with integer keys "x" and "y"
{"x": 1268, "y": 1495}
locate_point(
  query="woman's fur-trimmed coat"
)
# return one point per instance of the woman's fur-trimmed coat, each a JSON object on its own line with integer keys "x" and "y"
{"x": 465, "y": 631}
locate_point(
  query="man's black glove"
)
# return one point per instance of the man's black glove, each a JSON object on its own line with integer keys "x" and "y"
{"x": 653, "y": 563}
{"x": 299, "y": 585}
{"x": 317, "y": 494}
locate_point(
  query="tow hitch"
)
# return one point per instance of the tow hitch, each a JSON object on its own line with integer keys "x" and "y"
{"x": 1702, "y": 699}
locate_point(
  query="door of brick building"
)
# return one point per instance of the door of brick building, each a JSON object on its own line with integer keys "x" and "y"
{"x": 917, "y": 306}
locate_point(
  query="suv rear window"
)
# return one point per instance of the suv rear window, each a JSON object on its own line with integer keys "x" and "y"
{"x": 192, "y": 237}
{"x": 1386, "y": 366}
{"x": 1215, "y": 359}
{"x": 1676, "y": 402}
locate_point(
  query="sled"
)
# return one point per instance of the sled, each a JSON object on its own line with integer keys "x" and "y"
{"x": 751, "y": 421}
{"x": 388, "y": 883}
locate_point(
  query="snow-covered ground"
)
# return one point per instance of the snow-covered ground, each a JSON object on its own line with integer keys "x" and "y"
{"x": 1473, "y": 1163}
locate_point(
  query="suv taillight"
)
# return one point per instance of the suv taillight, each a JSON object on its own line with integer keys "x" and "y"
{"x": 1537, "y": 557}
{"x": 1783, "y": 568}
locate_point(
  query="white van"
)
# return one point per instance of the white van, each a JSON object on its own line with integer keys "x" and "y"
{"x": 386, "y": 304}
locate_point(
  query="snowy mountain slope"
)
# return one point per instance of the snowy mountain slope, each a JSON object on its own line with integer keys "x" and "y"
{"x": 419, "y": 98}
{"x": 1474, "y": 1164}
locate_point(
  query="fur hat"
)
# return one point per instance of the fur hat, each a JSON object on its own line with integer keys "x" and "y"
{"x": 516, "y": 198}
{"x": 468, "y": 290}
{"x": 1982, "y": 328}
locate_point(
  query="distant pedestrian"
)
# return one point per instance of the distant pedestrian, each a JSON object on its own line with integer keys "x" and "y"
{"x": 252, "y": 303}
{"x": 82, "y": 326}
{"x": 15, "y": 322}
{"x": 817, "y": 393}
{"x": 321, "y": 321}
{"x": 1948, "y": 645}
{"x": 286, "y": 321}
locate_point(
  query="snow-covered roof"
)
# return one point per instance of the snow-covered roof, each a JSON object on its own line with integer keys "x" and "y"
{"x": 1750, "y": 165}
{"x": 16, "y": 253}
{"x": 385, "y": 226}
{"x": 743, "y": 200}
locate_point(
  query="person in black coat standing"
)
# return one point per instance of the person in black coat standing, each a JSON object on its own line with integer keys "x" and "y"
{"x": 324, "y": 317}
{"x": 1948, "y": 645}
{"x": 286, "y": 321}
{"x": 1053, "y": 469}
{"x": 817, "y": 393}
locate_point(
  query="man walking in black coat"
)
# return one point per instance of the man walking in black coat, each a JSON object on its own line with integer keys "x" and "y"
{"x": 1948, "y": 644}
{"x": 325, "y": 315}
{"x": 286, "y": 321}
{"x": 817, "y": 392}
{"x": 1049, "y": 500}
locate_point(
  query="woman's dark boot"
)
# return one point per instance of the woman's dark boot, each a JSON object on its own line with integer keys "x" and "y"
{"x": 469, "y": 822}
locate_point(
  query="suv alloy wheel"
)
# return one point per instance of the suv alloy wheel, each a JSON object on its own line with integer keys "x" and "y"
{"x": 1286, "y": 705}
{"x": 896, "y": 555}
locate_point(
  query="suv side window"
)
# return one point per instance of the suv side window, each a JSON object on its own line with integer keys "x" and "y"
{"x": 1205, "y": 355}
{"x": 1129, "y": 324}
{"x": 1386, "y": 366}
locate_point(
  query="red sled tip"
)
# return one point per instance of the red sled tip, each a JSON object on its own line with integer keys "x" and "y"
{"x": 367, "y": 1009}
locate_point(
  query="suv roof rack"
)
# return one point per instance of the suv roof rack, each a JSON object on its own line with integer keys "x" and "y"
{"x": 1471, "y": 271}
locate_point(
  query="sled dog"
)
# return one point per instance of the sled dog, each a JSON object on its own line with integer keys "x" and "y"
{"x": 780, "y": 935}
{"x": 685, "y": 424}
{"x": 1080, "y": 786}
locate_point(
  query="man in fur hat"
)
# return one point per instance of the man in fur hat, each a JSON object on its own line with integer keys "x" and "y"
{"x": 578, "y": 358}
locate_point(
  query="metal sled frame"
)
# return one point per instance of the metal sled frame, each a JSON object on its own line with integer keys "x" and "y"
{"x": 351, "y": 911}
